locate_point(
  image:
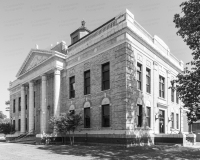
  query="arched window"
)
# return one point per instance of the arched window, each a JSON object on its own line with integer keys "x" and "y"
{"x": 87, "y": 115}
{"x": 105, "y": 112}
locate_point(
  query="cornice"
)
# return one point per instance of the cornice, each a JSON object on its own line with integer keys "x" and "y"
{"x": 151, "y": 48}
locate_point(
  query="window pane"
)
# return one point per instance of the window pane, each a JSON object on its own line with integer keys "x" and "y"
{"x": 105, "y": 116}
{"x": 105, "y": 76}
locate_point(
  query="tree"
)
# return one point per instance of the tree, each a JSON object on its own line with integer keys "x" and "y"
{"x": 67, "y": 124}
{"x": 6, "y": 128}
{"x": 188, "y": 82}
{"x": 2, "y": 116}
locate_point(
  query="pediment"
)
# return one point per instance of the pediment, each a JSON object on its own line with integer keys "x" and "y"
{"x": 35, "y": 58}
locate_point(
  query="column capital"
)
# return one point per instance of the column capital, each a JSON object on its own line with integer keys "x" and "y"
{"x": 168, "y": 73}
{"x": 155, "y": 65}
{"x": 56, "y": 71}
{"x": 31, "y": 83}
{"x": 44, "y": 77}
{"x": 22, "y": 87}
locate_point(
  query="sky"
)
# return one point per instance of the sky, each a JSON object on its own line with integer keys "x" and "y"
{"x": 25, "y": 23}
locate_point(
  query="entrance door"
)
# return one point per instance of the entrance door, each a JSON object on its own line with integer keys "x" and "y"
{"x": 161, "y": 121}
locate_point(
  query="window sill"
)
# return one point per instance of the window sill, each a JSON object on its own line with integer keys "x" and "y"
{"x": 105, "y": 90}
{"x": 104, "y": 128}
{"x": 162, "y": 98}
{"x": 87, "y": 95}
{"x": 148, "y": 93}
{"x": 86, "y": 128}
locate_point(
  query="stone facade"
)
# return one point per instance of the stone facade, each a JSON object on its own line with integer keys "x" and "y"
{"x": 122, "y": 43}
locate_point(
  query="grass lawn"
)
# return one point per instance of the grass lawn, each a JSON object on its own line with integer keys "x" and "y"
{"x": 12, "y": 151}
{"x": 114, "y": 152}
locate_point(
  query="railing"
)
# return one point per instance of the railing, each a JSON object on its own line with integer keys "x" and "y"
{"x": 24, "y": 135}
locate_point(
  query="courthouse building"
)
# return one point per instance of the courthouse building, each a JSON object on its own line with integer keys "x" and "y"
{"x": 118, "y": 76}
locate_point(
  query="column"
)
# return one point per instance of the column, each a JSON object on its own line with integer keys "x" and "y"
{"x": 23, "y": 127}
{"x": 56, "y": 92}
{"x": 31, "y": 107}
{"x": 44, "y": 105}
{"x": 155, "y": 97}
{"x": 168, "y": 93}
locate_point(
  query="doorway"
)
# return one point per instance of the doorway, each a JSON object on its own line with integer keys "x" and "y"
{"x": 161, "y": 121}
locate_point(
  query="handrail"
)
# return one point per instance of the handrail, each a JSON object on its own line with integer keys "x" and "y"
{"x": 25, "y": 135}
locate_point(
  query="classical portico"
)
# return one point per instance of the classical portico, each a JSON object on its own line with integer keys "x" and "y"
{"x": 38, "y": 65}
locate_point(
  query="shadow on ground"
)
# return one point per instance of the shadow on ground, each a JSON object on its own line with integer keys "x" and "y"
{"x": 116, "y": 152}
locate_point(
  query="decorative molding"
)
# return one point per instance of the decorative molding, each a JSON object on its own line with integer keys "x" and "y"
{"x": 148, "y": 63}
{"x": 139, "y": 57}
{"x": 87, "y": 66}
{"x": 105, "y": 101}
{"x": 87, "y": 105}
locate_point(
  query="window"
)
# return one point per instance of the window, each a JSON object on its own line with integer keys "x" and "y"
{"x": 148, "y": 80}
{"x": 34, "y": 99}
{"x": 87, "y": 82}
{"x": 148, "y": 117}
{"x": 105, "y": 76}
{"x": 161, "y": 121}
{"x": 72, "y": 87}
{"x": 172, "y": 93}
{"x": 34, "y": 123}
{"x": 14, "y": 124}
{"x": 19, "y": 104}
{"x": 87, "y": 117}
{"x": 177, "y": 98}
{"x": 177, "y": 121}
{"x": 172, "y": 120}
{"x": 106, "y": 115}
{"x": 26, "y": 124}
{"x": 139, "y": 76}
{"x": 13, "y": 105}
{"x": 75, "y": 39}
{"x": 26, "y": 101}
{"x": 19, "y": 124}
{"x": 161, "y": 87}
{"x": 139, "y": 115}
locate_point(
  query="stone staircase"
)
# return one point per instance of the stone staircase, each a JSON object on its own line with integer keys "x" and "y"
{"x": 27, "y": 138}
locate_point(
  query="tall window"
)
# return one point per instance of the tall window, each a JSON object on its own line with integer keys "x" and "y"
{"x": 161, "y": 87}
{"x": 87, "y": 82}
{"x": 26, "y": 124}
{"x": 87, "y": 117}
{"x": 161, "y": 121}
{"x": 13, "y": 105}
{"x": 106, "y": 76}
{"x": 72, "y": 87}
{"x": 172, "y": 120}
{"x": 34, "y": 99}
{"x": 177, "y": 98}
{"x": 177, "y": 121}
{"x": 172, "y": 93}
{"x": 19, "y": 104}
{"x": 106, "y": 115}
{"x": 139, "y": 115}
{"x": 139, "y": 76}
{"x": 148, "y": 80}
{"x": 19, "y": 124}
{"x": 14, "y": 124}
{"x": 148, "y": 117}
{"x": 26, "y": 101}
